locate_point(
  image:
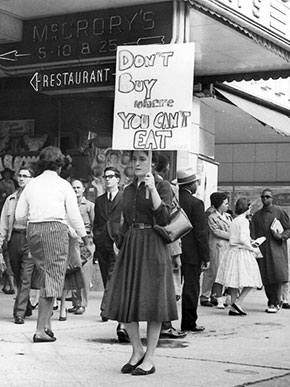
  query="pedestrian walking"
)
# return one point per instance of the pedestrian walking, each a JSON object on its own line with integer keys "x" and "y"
{"x": 238, "y": 269}
{"x": 218, "y": 224}
{"x": 13, "y": 237}
{"x": 48, "y": 202}
{"x": 274, "y": 264}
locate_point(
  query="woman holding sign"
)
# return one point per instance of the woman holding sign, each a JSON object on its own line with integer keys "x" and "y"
{"x": 141, "y": 286}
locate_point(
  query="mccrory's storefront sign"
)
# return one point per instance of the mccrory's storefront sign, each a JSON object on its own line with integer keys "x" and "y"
{"x": 88, "y": 36}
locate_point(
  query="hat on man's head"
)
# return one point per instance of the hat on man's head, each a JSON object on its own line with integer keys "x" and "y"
{"x": 186, "y": 176}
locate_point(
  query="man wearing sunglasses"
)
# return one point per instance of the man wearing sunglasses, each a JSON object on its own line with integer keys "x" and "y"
{"x": 13, "y": 234}
{"x": 274, "y": 264}
{"x": 108, "y": 213}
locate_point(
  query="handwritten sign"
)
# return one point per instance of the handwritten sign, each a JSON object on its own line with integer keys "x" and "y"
{"x": 153, "y": 97}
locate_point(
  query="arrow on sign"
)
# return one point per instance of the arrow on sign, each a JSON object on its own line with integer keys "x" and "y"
{"x": 11, "y": 55}
{"x": 160, "y": 39}
{"x": 34, "y": 81}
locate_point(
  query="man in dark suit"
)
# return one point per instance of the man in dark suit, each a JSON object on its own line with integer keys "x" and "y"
{"x": 195, "y": 249}
{"x": 108, "y": 213}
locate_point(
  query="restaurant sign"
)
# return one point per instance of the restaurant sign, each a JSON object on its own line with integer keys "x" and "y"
{"x": 87, "y": 36}
{"x": 80, "y": 77}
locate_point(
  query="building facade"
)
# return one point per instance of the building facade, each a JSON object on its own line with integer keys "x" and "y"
{"x": 57, "y": 83}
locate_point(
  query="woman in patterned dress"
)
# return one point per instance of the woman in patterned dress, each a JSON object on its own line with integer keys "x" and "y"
{"x": 141, "y": 286}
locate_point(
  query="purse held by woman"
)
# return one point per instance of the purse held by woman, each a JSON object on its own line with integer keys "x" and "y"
{"x": 178, "y": 226}
{"x": 74, "y": 257}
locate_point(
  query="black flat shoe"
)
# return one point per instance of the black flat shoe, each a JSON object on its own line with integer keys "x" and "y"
{"x": 49, "y": 332}
{"x": 285, "y": 305}
{"x": 122, "y": 335}
{"x": 232, "y": 313}
{"x": 48, "y": 339}
{"x": 72, "y": 310}
{"x": 34, "y": 306}
{"x": 140, "y": 372}
{"x": 206, "y": 303}
{"x": 129, "y": 368}
{"x": 239, "y": 309}
{"x": 10, "y": 291}
{"x": 63, "y": 318}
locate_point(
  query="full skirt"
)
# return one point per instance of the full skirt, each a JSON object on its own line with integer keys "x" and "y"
{"x": 238, "y": 269}
{"x": 141, "y": 286}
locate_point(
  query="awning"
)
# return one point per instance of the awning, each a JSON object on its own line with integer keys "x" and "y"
{"x": 230, "y": 47}
{"x": 278, "y": 121}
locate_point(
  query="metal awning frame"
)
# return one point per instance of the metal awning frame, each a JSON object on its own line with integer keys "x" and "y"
{"x": 261, "y": 103}
{"x": 279, "y": 48}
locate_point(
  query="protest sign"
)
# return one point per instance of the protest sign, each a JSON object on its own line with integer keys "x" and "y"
{"x": 153, "y": 97}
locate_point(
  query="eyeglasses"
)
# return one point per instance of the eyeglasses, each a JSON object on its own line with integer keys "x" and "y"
{"x": 23, "y": 176}
{"x": 266, "y": 197}
{"x": 109, "y": 177}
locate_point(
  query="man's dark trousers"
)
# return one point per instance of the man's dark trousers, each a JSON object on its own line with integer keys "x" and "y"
{"x": 190, "y": 295}
{"x": 22, "y": 265}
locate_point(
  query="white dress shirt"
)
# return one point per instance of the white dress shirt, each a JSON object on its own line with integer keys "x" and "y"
{"x": 113, "y": 194}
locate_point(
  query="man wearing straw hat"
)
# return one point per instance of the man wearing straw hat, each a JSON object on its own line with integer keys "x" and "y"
{"x": 195, "y": 249}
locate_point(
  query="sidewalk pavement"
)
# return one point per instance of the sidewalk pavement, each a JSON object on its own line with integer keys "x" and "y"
{"x": 232, "y": 351}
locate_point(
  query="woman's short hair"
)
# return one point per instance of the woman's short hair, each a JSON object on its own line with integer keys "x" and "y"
{"x": 50, "y": 158}
{"x": 217, "y": 199}
{"x": 242, "y": 205}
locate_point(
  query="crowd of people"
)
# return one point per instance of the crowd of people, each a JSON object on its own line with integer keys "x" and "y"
{"x": 50, "y": 236}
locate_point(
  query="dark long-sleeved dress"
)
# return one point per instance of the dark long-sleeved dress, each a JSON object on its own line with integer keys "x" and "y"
{"x": 141, "y": 287}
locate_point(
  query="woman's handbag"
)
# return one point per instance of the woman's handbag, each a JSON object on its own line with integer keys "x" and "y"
{"x": 178, "y": 225}
{"x": 74, "y": 256}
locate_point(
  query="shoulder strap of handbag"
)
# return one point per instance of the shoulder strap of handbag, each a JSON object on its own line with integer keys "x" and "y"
{"x": 175, "y": 201}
